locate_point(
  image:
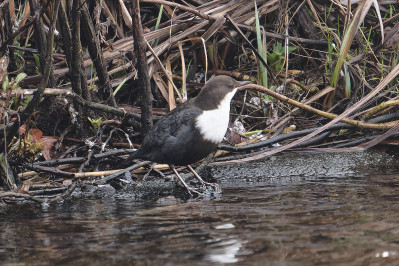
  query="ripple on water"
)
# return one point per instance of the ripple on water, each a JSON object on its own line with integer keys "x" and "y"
{"x": 323, "y": 220}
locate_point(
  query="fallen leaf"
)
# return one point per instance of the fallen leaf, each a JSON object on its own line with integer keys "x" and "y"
{"x": 48, "y": 143}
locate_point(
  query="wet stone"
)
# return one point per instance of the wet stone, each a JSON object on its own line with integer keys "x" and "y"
{"x": 305, "y": 166}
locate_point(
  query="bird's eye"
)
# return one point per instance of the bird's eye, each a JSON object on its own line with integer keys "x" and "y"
{"x": 231, "y": 85}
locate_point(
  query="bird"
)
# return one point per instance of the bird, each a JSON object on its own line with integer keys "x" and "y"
{"x": 192, "y": 130}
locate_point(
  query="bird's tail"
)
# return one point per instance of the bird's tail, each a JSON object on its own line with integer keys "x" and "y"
{"x": 127, "y": 161}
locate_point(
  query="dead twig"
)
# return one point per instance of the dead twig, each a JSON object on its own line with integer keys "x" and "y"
{"x": 353, "y": 122}
{"x": 120, "y": 172}
{"x": 51, "y": 170}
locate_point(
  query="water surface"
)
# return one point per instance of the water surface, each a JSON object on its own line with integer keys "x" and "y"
{"x": 330, "y": 220}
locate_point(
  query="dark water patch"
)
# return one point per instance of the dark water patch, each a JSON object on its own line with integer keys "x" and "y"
{"x": 323, "y": 220}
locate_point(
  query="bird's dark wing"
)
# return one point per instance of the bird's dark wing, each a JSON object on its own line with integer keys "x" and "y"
{"x": 164, "y": 134}
{"x": 172, "y": 125}
{"x": 170, "y": 135}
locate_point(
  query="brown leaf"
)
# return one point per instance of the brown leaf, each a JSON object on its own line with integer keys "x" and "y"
{"x": 36, "y": 135}
{"x": 48, "y": 143}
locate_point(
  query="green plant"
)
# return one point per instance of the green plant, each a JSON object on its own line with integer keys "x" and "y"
{"x": 261, "y": 50}
{"x": 328, "y": 66}
{"x": 349, "y": 34}
{"x": 5, "y": 173}
{"x": 120, "y": 86}
{"x": 37, "y": 60}
{"x": 276, "y": 58}
{"x": 95, "y": 124}
{"x": 13, "y": 84}
{"x": 29, "y": 146}
{"x": 19, "y": 101}
{"x": 93, "y": 75}
{"x": 155, "y": 42}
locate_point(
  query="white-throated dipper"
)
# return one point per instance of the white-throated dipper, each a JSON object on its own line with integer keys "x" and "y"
{"x": 192, "y": 130}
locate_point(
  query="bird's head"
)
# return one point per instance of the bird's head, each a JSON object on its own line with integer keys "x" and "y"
{"x": 216, "y": 90}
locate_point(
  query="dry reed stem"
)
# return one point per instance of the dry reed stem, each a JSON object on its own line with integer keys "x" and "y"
{"x": 331, "y": 116}
{"x": 381, "y": 107}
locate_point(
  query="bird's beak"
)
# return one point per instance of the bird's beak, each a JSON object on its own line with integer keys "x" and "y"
{"x": 242, "y": 83}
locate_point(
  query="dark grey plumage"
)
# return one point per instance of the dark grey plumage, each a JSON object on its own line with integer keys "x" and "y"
{"x": 175, "y": 139}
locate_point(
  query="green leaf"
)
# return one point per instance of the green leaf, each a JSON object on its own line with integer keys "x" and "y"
{"x": 120, "y": 86}
{"x": 261, "y": 50}
{"x": 20, "y": 77}
{"x": 95, "y": 123}
{"x": 5, "y": 84}
{"x": 37, "y": 59}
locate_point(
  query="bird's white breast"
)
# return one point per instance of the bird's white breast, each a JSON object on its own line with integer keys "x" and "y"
{"x": 213, "y": 123}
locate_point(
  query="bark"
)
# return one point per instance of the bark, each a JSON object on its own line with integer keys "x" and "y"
{"x": 8, "y": 21}
{"x": 76, "y": 68}
{"x": 41, "y": 39}
{"x": 96, "y": 56}
{"x": 142, "y": 67}
{"x": 66, "y": 33}
{"x": 67, "y": 41}
{"x": 76, "y": 49}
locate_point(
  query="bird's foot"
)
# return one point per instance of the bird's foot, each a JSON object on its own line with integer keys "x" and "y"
{"x": 189, "y": 189}
{"x": 215, "y": 186}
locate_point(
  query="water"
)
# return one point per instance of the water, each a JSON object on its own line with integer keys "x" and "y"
{"x": 344, "y": 221}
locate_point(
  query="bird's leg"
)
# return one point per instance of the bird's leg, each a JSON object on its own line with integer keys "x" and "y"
{"x": 215, "y": 186}
{"x": 159, "y": 172}
{"x": 155, "y": 170}
{"x": 189, "y": 189}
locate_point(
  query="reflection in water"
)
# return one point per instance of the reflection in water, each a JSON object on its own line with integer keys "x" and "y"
{"x": 386, "y": 254}
{"x": 225, "y": 252}
{"x": 346, "y": 221}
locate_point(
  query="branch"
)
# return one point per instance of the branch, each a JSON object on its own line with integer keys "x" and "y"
{"x": 331, "y": 116}
{"x": 96, "y": 55}
{"x": 140, "y": 45}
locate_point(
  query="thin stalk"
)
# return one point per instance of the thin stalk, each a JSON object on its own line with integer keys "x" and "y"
{"x": 263, "y": 70}
{"x": 155, "y": 42}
